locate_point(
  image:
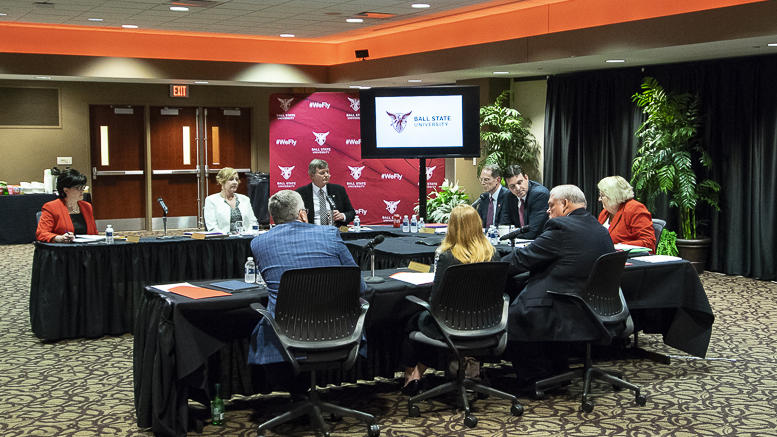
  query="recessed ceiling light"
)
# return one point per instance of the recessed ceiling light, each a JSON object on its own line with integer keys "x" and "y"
{"x": 179, "y": 8}
{"x": 2, "y": 14}
{"x": 354, "y": 20}
{"x": 415, "y": 80}
{"x": 42, "y": 77}
{"x": 94, "y": 19}
{"x": 287, "y": 35}
{"x": 419, "y": 5}
{"x": 200, "y": 81}
{"x": 501, "y": 72}
{"x": 129, "y": 26}
{"x": 615, "y": 60}
{"x": 774, "y": 44}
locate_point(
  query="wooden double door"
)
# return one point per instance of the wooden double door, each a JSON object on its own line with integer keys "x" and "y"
{"x": 141, "y": 154}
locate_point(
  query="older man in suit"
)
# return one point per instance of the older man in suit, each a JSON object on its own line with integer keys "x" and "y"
{"x": 560, "y": 259}
{"x": 292, "y": 244}
{"x": 491, "y": 204}
{"x": 528, "y": 204}
{"x": 327, "y": 204}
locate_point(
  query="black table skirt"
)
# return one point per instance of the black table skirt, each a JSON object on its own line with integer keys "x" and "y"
{"x": 18, "y": 221}
{"x": 90, "y": 290}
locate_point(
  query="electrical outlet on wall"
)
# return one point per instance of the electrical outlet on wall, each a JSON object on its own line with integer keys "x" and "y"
{"x": 64, "y": 160}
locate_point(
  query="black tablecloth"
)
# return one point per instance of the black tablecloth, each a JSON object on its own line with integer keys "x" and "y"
{"x": 18, "y": 220}
{"x": 176, "y": 340}
{"x": 90, "y": 290}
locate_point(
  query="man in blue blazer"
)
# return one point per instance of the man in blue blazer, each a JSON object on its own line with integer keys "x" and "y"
{"x": 493, "y": 193}
{"x": 337, "y": 205}
{"x": 534, "y": 198}
{"x": 560, "y": 259}
{"x": 293, "y": 243}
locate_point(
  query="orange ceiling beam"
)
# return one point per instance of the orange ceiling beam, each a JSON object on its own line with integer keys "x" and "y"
{"x": 519, "y": 20}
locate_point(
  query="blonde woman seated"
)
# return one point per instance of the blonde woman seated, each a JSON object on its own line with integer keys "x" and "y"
{"x": 627, "y": 220}
{"x": 223, "y": 210}
{"x": 464, "y": 243}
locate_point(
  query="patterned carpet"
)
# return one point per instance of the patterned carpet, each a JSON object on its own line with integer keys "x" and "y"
{"x": 84, "y": 387}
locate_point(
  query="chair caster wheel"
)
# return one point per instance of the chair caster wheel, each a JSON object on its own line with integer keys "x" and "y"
{"x": 413, "y": 411}
{"x": 641, "y": 400}
{"x": 516, "y": 410}
{"x": 617, "y": 387}
{"x": 335, "y": 418}
{"x": 374, "y": 430}
{"x": 539, "y": 395}
{"x": 482, "y": 395}
{"x": 588, "y": 406}
{"x": 470, "y": 421}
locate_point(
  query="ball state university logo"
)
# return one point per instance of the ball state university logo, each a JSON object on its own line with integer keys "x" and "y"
{"x": 356, "y": 172}
{"x": 391, "y": 207}
{"x": 430, "y": 172}
{"x": 321, "y": 138}
{"x": 285, "y": 103}
{"x": 399, "y": 121}
{"x": 355, "y": 104}
{"x": 286, "y": 171}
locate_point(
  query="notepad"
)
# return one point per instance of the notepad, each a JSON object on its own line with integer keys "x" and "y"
{"x": 414, "y": 278}
{"x": 234, "y": 285}
{"x": 188, "y": 290}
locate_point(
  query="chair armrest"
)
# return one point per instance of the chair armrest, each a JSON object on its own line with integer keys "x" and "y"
{"x": 418, "y": 301}
{"x": 284, "y": 349}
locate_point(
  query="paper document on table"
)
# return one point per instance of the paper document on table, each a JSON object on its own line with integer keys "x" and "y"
{"x": 632, "y": 248}
{"x": 659, "y": 258}
{"x": 88, "y": 238}
{"x": 188, "y": 290}
{"x": 414, "y": 278}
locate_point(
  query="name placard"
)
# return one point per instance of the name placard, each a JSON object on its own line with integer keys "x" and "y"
{"x": 419, "y": 267}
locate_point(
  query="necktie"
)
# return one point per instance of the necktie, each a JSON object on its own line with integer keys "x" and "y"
{"x": 521, "y": 210}
{"x": 490, "y": 214}
{"x": 322, "y": 209}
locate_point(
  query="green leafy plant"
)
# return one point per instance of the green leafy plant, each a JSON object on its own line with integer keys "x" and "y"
{"x": 664, "y": 162}
{"x": 439, "y": 204}
{"x": 506, "y": 136}
{"x": 667, "y": 244}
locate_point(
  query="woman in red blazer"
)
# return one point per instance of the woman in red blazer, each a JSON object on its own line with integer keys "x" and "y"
{"x": 64, "y": 218}
{"x": 628, "y": 221}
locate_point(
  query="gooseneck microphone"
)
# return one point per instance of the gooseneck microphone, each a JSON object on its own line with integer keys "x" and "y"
{"x": 162, "y": 203}
{"x": 375, "y": 241}
{"x": 515, "y": 233}
{"x": 482, "y": 198}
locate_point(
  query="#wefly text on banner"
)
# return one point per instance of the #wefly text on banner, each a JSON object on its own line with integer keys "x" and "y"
{"x": 304, "y": 127}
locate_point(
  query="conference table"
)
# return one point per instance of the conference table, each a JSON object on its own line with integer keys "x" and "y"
{"x": 18, "y": 221}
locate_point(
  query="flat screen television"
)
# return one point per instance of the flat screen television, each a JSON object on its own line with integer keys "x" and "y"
{"x": 420, "y": 122}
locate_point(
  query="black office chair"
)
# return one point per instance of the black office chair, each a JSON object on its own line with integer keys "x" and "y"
{"x": 319, "y": 319}
{"x": 602, "y": 299}
{"x": 37, "y": 216}
{"x": 470, "y": 309}
{"x": 658, "y": 227}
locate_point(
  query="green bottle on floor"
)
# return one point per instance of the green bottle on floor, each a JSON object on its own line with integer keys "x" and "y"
{"x": 217, "y": 408}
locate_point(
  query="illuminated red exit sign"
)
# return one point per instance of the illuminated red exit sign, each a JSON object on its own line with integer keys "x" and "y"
{"x": 179, "y": 90}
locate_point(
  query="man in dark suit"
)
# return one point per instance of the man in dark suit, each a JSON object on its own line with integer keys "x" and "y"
{"x": 491, "y": 203}
{"x": 529, "y": 203}
{"x": 560, "y": 259}
{"x": 292, "y": 244}
{"x": 326, "y": 203}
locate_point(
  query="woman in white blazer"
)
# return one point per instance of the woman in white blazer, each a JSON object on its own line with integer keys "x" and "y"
{"x": 223, "y": 210}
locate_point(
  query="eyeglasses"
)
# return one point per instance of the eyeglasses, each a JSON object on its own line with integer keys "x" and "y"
{"x": 304, "y": 209}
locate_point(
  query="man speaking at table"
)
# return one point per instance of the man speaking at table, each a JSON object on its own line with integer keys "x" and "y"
{"x": 327, "y": 204}
{"x": 528, "y": 204}
{"x": 491, "y": 207}
{"x": 559, "y": 259}
{"x": 292, "y": 244}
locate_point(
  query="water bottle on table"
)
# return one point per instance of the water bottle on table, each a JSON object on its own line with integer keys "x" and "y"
{"x": 109, "y": 235}
{"x": 357, "y": 224}
{"x": 250, "y": 271}
{"x": 493, "y": 235}
{"x": 405, "y": 224}
{"x": 421, "y": 224}
{"x": 414, "y": 224}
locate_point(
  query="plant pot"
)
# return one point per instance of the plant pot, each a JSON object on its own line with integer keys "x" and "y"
{"x": 694, "y": 251}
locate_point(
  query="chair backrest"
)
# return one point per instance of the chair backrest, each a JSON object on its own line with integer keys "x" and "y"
{"x": 37, "y": 216}
{"x": 602, "y": 292}
{"x": 658, "y": 227}
{"x": 471, "y": 300}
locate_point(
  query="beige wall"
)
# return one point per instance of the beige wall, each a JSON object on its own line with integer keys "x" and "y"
{"x": 26, "y": 152}
{"x": 529, "y": 99}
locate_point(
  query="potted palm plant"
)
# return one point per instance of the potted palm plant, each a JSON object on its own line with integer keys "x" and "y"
{"x": 506, "y": 137}
{"x": 665, "y": 163}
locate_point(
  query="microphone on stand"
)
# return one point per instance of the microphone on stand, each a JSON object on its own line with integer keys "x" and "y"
{"x": 515, "y": 233}
{"x": 162, "y": 203}
{"x": 164, "y": 217}
{"x": 371, "y": 246}
{"x": 482, "y": 198}
{"x": 331, "y": 209}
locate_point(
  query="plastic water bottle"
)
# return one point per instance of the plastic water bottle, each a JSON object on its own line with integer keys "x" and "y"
{"x": 217, "y": 408}
{"x": 357, "y": 224}
{"x": 405, "y": 224}
{"x": 255, "y": 229}
{"x": 250, "y": 270}
{"x": 109, "y": 235}
{"x": 259, "y": 278}
{"x": 414, "y": 224}
{"x": 493, "y": 235}
{"x": 421, "y": 224}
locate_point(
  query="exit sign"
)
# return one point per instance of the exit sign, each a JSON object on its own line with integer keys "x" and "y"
{"x": 179, "y": 90}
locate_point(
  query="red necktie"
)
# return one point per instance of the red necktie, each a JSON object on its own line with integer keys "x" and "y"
{"x": 490, "y": 214}
{"x": 521, "y": 210}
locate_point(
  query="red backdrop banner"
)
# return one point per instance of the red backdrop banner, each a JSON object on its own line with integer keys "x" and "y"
{"x": 304, "y": 127}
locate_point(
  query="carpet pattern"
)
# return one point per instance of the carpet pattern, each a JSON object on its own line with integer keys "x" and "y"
{"x": 84, "y": 387}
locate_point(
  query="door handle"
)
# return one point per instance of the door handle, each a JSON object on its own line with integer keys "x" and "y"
{"x": 96, "y": 173}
